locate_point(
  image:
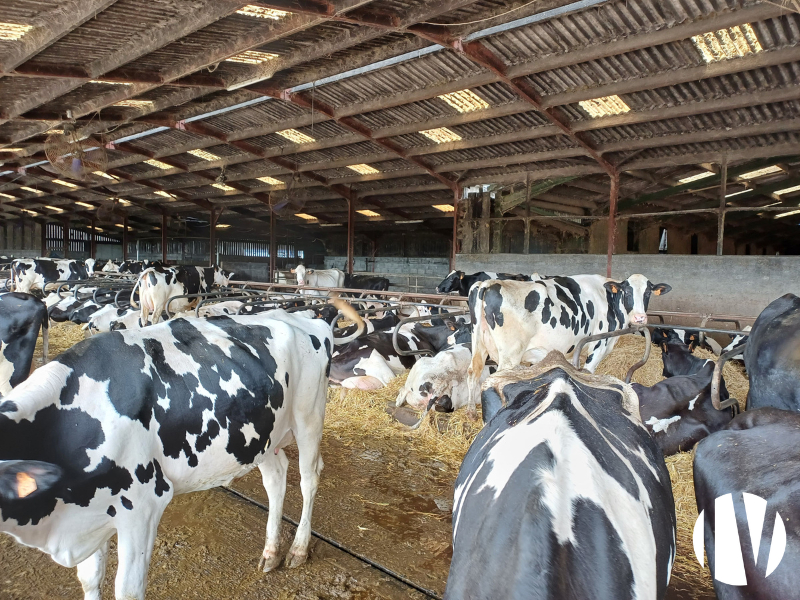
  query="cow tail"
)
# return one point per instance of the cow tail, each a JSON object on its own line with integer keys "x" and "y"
{"x": 479, "y": 352}
{"x": 45, "y": 337}
{"x": 133, "y": 291}
{"x": 349, "y": 312}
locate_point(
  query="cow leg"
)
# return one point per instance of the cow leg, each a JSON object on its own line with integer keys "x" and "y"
{"x": 92, "y": 572}
{"x": 273, "y": 476}
{"x": 135, "y": 539}
{"x": 308, "y": 436}
{"x": 479, "y": 356}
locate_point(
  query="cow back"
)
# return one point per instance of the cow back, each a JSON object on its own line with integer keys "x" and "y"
{"x": 772, "y": 356}
{"x": 568, "y": 482}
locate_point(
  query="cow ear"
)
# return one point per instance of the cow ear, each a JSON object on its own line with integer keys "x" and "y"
{"x": 661, "y": 289}
{"x": 461, "y": 276}
{"x": 664, "y": 347}
{"x": 311, "y": 272}
{"x": 21, "y": 479}
{"x": 612, "y": 286}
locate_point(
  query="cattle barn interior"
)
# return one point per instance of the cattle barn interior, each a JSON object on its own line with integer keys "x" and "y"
{"x": 402, "y": 139}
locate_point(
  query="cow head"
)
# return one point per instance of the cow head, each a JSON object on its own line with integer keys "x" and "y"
{"x": 26, "y": 479}
{"x": 300, "y": 272}
{"x": 632, "y": 297}
{"x": 222, "y": 277}
{"x": 451, "y": 283}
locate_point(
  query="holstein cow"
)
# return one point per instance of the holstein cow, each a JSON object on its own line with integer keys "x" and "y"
{"x": 688, "y": 337}
{"x": 458, "y": 281}
{"x": 745, "y": 476}
{"x": 772, "y": 356}
{"x": 36, "y": 273}
{"x": 366, "y": 282}
{"x": 371, "y": 362}
{"x": 156, "y": 285}
{"x": 678, "y": 411}
{"x": 518, "y": 322}
{"x": 439, "y": 381}
{"x": 98, "y": 442}
{"x": 21, "y": 317}
{"x": 737, "y": 341}
{"x": 563, "y": 494}
{"x": 328, "y": 278}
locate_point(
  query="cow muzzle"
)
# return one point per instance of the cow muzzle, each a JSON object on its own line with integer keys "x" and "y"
{"x": 639, "y": 319}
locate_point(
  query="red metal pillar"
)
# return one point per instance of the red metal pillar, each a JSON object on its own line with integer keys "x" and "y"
{"x": 454, "y": 249}
{"x": 65, "y": 225}
{"x": 272, "y": 245}
{"x": 212, "y": 239}
{"x": 164, "y": 238}
{"x": 351, "y": 232}
{"x": 125, "y": 237}
{"x": 612, "y": 220}
{"x": 93, "y": 244}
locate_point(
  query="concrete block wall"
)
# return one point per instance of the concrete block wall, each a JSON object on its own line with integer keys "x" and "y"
{"x": 429, "y": 267}
{"x": 733, "y": 285}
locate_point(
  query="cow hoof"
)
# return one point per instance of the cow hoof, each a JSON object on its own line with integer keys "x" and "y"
{"x": 295, "y": 560}
{"x": 269, "y": 562}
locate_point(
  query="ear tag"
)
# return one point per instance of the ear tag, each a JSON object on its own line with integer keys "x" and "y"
{"x": 26, "y": 485}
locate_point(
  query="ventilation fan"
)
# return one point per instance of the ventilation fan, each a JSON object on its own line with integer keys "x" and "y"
{"x": 73, "y": 155}
{"x": 286, "y": 202}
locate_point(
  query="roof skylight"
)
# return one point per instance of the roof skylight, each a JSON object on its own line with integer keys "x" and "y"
{"x": 298, "y": 137}
{"x": 203, "y": 154}
{"x": 164, "y": 194}
{"x": 363, "y": 169}
{"x": 368, "y": 213}
{"x": 787, "y": 214}
{"x": 142, "y": 104}
{"x": 697, "y": 177}
{"x": 223, "y": 187}
{"x": 788, "y": 190}
{"x": 465, "y": 101}
{"x": 252, "y": 57}
{"x": 444, "y": 207}
{"x": 84, "y": 204}
{"x": 30, "y": 189}
{"x": 157, "y": 163}
{"x": 305, "y": 216}
{"x": 761, "y": 172}
{"x": 9, "y": 196}
{"x": 270, "y": 180}
{"x": 441, "y": 135}
{"x": 54, "y": 208}
{"x": 605, "y": 107}
{"x": 259, "y": 12}
{"x": 13, "y": 31}
{"x": 65, "y": 183}
{"x": 105, "y": 175}
{"x": 734, "y": 42}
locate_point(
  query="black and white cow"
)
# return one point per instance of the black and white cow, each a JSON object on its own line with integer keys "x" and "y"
{"x": 98, "y": 442}
{"x": 371, "y": 362}
{"x": 689, "y": 337}
{"x": 21, "y": 317}
{"x": 156, "y": 285}
{"x": 563, "y": 494}
{"x": 736, "y": 342}
{"x": 517, "y": 322}
{"x": 439, "y": 381}
{"x": 35, "y": 273}
{"x": 678, "y": 411}
{"x": 383, "y": 323}
{"x": 772, "y": 356}
{"x": 366, "y": 282}
{"x": 756, "y": 455}
{"x": 104, "y": 319}
{"x": 458, "y": 281}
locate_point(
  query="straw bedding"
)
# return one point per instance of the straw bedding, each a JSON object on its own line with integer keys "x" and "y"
{"x": 361, "y": 417}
